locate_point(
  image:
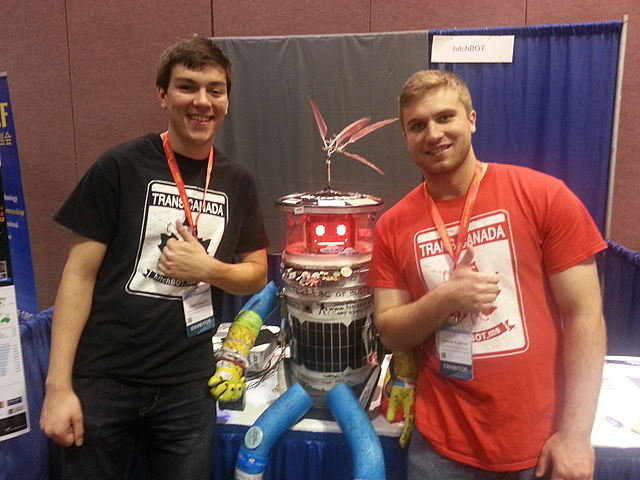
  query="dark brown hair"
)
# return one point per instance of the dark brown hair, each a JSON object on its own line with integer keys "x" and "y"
{"x": 194, "y": 53}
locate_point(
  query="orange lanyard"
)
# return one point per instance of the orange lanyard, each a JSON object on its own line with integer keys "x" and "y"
{"x": 465, "y": 218}
{"x": 177, "y": 177}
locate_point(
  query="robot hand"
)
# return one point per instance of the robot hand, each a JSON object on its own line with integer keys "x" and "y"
{"x": 399, "y": 389}
{"x": 228, "y": 382}
{"x": 402, "y": 395}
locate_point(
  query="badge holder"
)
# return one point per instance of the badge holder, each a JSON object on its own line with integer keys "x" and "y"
{"x": 198, "y": 310}
{"x": 454, "y": 342}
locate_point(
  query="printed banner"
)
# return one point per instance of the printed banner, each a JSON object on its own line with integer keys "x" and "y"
{"x": 14, "y": 417}
{"x": 20, "y": 267}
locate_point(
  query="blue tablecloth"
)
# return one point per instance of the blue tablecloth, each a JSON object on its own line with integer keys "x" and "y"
{"x": 304, "y": 455}
{"x": 326, "y": 456}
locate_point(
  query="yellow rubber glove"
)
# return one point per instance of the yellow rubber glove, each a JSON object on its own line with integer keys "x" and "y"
{"x": 228, "y": 382}
{"x": 400, "y": 385}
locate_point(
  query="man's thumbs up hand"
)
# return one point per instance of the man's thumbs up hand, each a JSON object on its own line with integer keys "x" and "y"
{"x": 184, "y": 258}
{"x": 472, "y": 291}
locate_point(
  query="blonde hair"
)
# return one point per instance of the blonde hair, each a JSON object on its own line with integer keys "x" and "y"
{"x": 426, "y": 80}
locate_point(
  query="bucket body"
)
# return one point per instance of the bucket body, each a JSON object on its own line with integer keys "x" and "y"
{"x": 325, "y": 264}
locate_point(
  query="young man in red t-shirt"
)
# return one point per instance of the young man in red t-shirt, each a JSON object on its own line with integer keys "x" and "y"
{"x": 487, "y": 272}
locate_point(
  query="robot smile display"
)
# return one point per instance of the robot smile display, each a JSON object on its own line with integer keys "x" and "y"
{"x": 333, "y": 357}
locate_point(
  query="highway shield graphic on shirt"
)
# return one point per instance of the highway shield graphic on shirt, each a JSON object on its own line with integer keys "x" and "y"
{"x": 163, "y": 207}
{"x": 501, "y": 330}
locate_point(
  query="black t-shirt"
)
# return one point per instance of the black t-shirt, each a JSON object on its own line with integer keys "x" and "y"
{"x": 129, "y": 201}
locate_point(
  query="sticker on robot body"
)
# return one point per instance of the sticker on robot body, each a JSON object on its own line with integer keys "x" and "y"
{"x": 324, "y": 278}
{"x": 328, "y": 294}
{"x": 327, "y": 380}
{"x": 162, "y": 208}
{"x": 330, "y": 309}
{"x": 502, "y": 329}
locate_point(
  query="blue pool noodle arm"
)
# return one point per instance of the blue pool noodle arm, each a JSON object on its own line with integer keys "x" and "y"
{"x": 264, "y": 302}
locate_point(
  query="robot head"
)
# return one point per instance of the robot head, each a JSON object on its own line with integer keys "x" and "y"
{"x": 329, "y": 233}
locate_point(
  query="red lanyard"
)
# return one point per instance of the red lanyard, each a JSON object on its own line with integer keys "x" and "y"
{"x": 465, "y": 218}
{"x": 177, "y": 177}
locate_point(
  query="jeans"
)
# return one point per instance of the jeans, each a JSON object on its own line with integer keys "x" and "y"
{"x": 174, "y": 422}
{"x": 424, "y": 463}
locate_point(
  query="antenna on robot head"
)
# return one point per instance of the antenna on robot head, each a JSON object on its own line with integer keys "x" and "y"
{"x": 349, "y": 134}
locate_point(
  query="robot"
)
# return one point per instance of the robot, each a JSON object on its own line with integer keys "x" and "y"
{"x": 328, "y": 320}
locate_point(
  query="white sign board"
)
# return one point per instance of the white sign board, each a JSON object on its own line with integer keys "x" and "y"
{"x": 472, "y": 49}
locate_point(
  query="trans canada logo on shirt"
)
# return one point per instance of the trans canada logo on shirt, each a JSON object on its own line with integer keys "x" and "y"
{"x": 502, "y": 329}
{"x": 163, "y": 207}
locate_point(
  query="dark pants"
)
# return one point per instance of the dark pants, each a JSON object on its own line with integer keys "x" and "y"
{"x": 175, "y": 422}
{"x": 424, "y": 463}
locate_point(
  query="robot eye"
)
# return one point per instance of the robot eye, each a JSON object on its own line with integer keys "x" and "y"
{"x": 320, "y": 230}
{"x": 341, "y": 229}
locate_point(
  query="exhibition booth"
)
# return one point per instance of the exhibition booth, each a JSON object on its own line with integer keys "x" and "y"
{"x": 576, "y": 150}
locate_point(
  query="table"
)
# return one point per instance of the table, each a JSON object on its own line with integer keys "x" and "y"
{"x": 315, "y": 449}
{"x": 616, "y": 430}
{"x": 617, "y": 421}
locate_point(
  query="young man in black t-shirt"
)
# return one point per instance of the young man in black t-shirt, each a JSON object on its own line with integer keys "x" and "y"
{"x": 156, "y": 224}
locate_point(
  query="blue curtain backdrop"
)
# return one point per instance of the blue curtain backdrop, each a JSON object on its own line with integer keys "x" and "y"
{"x": 620, "y": 269}
{"x": 552, "y": 109}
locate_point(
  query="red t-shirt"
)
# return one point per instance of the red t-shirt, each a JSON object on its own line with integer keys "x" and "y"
{"x": 525, "y": 225}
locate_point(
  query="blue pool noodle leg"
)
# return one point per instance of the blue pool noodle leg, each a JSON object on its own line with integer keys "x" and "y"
{"x": 368, "y": 459}
{"x": 274, "y": 421}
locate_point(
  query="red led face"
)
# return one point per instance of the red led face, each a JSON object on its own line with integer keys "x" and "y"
{"x": 330, "y": 233}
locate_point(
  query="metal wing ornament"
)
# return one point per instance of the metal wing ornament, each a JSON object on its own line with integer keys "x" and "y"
{"x": 349, "y": 134}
